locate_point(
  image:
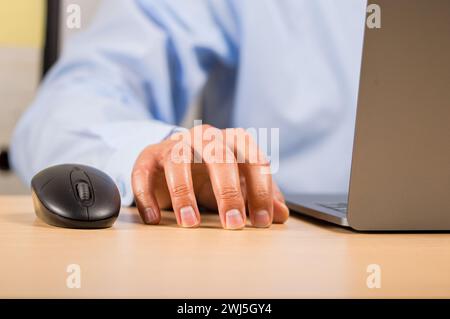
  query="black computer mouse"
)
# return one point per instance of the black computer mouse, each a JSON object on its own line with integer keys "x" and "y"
{"x": 75, "y": 196}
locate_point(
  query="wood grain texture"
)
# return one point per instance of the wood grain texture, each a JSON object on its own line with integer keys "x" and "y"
{"x": 303, "y": 258}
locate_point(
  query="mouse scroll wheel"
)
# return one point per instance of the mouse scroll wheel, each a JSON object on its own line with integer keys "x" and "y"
{"x": 84, "y": 192}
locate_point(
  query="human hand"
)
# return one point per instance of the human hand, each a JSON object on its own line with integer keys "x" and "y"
{"x": 230, "y": 174}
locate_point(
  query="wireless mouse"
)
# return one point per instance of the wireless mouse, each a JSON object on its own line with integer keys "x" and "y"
{"x": 75, "y": 196}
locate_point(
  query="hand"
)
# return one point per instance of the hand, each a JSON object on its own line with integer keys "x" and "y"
{"x": 227, "y": 176}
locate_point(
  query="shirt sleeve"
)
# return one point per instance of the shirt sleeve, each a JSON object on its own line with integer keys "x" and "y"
{"x": 121, "y": 85}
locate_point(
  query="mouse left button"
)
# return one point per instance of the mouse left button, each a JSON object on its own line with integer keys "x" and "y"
{"x": 58, "y": 198}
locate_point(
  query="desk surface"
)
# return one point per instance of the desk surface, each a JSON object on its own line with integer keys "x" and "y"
{"x": 303, "y": 258}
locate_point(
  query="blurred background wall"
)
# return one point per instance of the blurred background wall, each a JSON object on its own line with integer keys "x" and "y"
{"x": 21, "y": 38}
{"x": 22, "y": 32}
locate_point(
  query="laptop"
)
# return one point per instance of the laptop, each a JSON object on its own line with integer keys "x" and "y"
{"x": 400, "y": 172}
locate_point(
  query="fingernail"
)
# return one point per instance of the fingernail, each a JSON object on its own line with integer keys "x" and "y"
{"x": 233, "y": 219}
{"x": 188, "y": 217}
{"x": 262, "y": 219}
{"x": 150, "y": 216}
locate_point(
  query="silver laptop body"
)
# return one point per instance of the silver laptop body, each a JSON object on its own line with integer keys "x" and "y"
{"x": 400, "y": 174}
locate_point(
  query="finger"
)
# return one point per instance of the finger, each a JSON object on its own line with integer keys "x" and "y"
{"x": 141, "y": 181}
{"x": 225, "y": 183}
{"x": 258, "y": 178}
{"x": 259, "y": 194}
{"x": 179, "y": 182}
{"x": 224, "y": 175}
{"x": 280, "y": 210}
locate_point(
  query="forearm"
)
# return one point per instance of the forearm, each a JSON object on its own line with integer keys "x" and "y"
{"x": 85, "y": 123}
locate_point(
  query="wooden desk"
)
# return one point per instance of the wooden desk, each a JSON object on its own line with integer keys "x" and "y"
{"x": 303, "y": 258}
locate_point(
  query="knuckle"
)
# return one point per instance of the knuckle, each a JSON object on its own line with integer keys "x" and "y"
{"x": 181, "y": 191}
{"x": 201, "y": 127}
{"x": 168, "y": 154}
{"x": 240, "y": 131}
{"x": 137, "y": 173}
{"x": 211, "y": 130}
{"x": 262, "y": 193}
{"x": 230, "y": 194}
{"x": 207, "y": 126}
{"x": 139, "y": 193}
{"x": 147, "y": 154}
{"x": 141, "y": 197}
{"x": 178, "y": 154}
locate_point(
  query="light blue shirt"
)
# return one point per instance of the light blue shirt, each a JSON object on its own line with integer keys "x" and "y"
{"x": 130, "y": 78}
